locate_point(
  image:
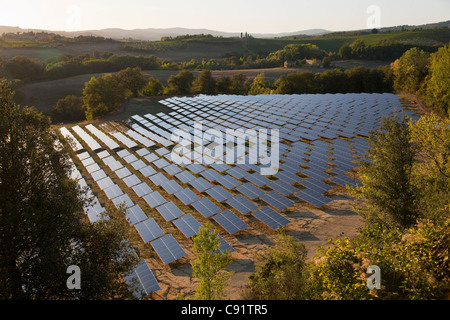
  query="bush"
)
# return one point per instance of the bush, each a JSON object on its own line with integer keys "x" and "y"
{"x": 154, "y": 87}
{"x": 69, "y": 108}
{"x": 414, "y": 264}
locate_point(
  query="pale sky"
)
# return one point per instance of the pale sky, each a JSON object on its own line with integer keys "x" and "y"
{"x": 253, "y": 16}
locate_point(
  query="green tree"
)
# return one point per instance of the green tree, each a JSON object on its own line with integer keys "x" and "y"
{"x": 386, "y": 174}
{"x": 410, "y": 70}
{"x": 209, "y": 265}
{"x": 414, "y": 265}
{"x": 437, "y": 91}
{"x": 223, "y": 85}
{"x": 326, "y": 62}
{"x": 297, "y": 83}
{"x": 240, "y": 85}
{"x": 23, "y": 68}
{"x": 345, "y": 52}
{"x": 280, "y": 272}
{"x": 43, "y": 228}
{"x": 69, "y": 108}
{"x": 431, "y": 138}
{"x": 102, "y": 95}
{"x": 154, "y": 87}
{"x": 205, "y": 83}
{"x": 260, "y": 85}
{"x": 181, "y": 83}
{"x": 132, "y": 80}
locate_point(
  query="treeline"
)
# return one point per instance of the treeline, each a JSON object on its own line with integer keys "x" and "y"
{"x": 104, "y": 94}
{"x": 386, "y": 50}
{"x": 425, "y": 75}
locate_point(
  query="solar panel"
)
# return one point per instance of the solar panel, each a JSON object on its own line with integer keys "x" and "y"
{"x": 123, "y": 198}
{"x": 161, "y": 163}
{"x": 138, "y": 164}
{"x": 147, "y": 171}
{"x": 258, "y": 179}
{"x": 88, "y": 161}
{"x": 313, "y": 197}
{"x": 219, "y": 193}
{"x": 149, "y": 230}
{"x": 237, "y": 172}
{"x": 105, "y": 183}
{"x": 142, "y": 152}
{"x": 250, "y": 190}
{"x": 94, "y": 210}
{"x": 224, "y": 245}
{"x": 142, "y": 280}
{"x": 228, "y": 182}
{"x": 131, "y": 181}
{"x": 317, "y": 186}
{"x": 123, "y": 153}
{"x": 112, "y": 163}
{"x": 158, "y": 179}
{"x": 124, "y": 139}
{"x": 91, "y": 142}
{"x": 110, "y": 143}
{"x": 277, "y": 201}
{"x": 187, "y": 225}
{"x": 206, "y": 207}
{"x": 113, "y": 191}
{"x": 123, "y": 172}
{"x": 98, "y": 175}
{"x": 92, "y": 168}
{"x": 172, "y": 169}
{"x": 154, "y": 199}
{"x": 270, "y": 218}
{"x": 168, "y": 249}
{"x": 171, "y": 186}
{"x": 195, "y": 168}
{"x": 200, "y": 184}
{"x": 130, "y": 158}
{"x": 169, "y": 211}
{"x": 242, "y": 204}
{"x": 83, "y": 155}
{"x": 343, "y": 180}
{"x": 135, "y": 215}
{"x": 151, "y": 157}
{"x": 73, "y": 142}
{"x": 187, "y": 196}
{"x": 230, "y": 222}
{"x": 185, "y": 176}
{"x": 142, "y": 189}
{"x": 282, "y": 187}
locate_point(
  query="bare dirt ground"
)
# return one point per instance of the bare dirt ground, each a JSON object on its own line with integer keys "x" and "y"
{"x": 312, "y": 226}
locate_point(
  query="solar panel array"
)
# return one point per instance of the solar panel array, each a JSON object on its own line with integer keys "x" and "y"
{"x": 321, "y": 137}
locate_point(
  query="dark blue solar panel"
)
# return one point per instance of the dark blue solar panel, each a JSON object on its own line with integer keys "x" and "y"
{"x": 277, "y": 201}
{"x": 219, "y": 193}
{"x": 270, "y": 218}
{"x": 141, "y": 280}
{"x": 169, "y": 211}
{"x": 187, "y": 196}
{"x": 282, "y": 187}
{"x": 187, "y": 225}
{"x": 257, "y": 179}
{"x": 206, "y": 207}
{"x": 230, "y": 222}
{"x": 149, "y": 230}
{"x": 200, "y": 184}
{"x": 250, "y": 190}
{"x": 154, "y": 199}
{"x": 135, "y": 215}
{"x": 313, "y": 197}
{"x": 242, "y": 204}
{"x": 168, "y": 249}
